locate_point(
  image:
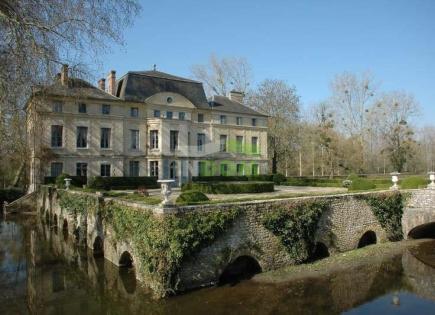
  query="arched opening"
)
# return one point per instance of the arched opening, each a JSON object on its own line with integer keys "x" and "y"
{"x": 98, "y": 247}
{"x": 320, "y": 251}
{"x": 126, "y": 260}
{"x": 244, "y": 267}
{"x": 368, "y": 238}
{"x": 423, "y": 231}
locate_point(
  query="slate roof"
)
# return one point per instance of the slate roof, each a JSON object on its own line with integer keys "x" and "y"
{"x": 223, "y": 103}
{"x": 76, "y": 88}
{"x": 140, "y": 85}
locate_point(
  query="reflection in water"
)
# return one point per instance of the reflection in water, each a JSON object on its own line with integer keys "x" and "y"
{"x": 46, "y": 272}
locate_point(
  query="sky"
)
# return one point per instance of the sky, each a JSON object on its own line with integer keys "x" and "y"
{"x": 305, "y": 43}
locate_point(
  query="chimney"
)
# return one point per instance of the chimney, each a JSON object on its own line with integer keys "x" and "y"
{"x": 64, "y": 75}
{"x": 111, "y": 79}
{"x": 102, "y": 84}
{"x": 237, "y": 96}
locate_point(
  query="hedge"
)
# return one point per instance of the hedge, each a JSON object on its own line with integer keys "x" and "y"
{"x": 77, "y": 181}
{"x": 121, "y": 182}
{"x": 230, "y": 187}
{"x": 314, "y": 182}
{"x": 9, "y": 195}
{"x": 413, "y": 182}
{"x": 191, "y": 196}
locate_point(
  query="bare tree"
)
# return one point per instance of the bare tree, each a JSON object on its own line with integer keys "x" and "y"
{"x": 221, "y": 75}
{"x": 280, "y": 101}
{"x": 38, "y": 35}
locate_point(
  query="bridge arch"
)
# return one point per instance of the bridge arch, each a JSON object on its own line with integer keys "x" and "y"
{"x": 126, "y": 260}
{"x": 320, "y": 251}
{"x": 98, "y": 247}
{"x": 243, "y": 267}
{"x": 368, "y": 238}
{"x": 426, "y": 230}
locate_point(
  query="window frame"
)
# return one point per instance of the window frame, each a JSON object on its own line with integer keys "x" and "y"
{"x": 80, "y": 167}
{"x": 108, "y": 138}
{"x": 82, "y": 106}
{"x": 200, "y": 143}
{"x": 103, "y": 166}
{"x": 169, "y": 114}
{"x": 85, "y": 139}
{"x": 59, "y": 138}
{"x": 134, "y": 139}
{"x": 173, "y": 141}
{"x": 104, "y": 108}
{"x": 57, "y": 107}
{"x": 239, "y": 121}
{"x": 134, "y": 112}
{"x": 202, "y": 117}
{"x": 155, "y": 112}
{"x": 54, "y": 174}
{"x": 223, "y": 119}
{"x": 154, "y": 168}
{"x": 134, "y": 167}
{"x": 182, "y": 116}
{"x": 223, "y": 147}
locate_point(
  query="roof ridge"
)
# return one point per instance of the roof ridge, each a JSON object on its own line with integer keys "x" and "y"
{"x": 149, "y": 73}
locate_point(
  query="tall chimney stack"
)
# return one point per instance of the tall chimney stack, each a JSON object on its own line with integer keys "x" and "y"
{"x": 111, "y": 79}
{"x": 102, "y": 84}
{"x": 237, "y": 96}
{"x": 64, "y": 75}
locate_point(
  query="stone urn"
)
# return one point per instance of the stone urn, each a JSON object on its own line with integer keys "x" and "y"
{"x": 432, "y": 180}
{"x": 395, "y": 180}
{"x": 166, "y": 190}
{"x": 67, "y": 183}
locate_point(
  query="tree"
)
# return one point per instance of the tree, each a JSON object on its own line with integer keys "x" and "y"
{"x": 36, "y": 36}
{"x": 394, "y": 112}
{"x": 221, "y": 75}
{"x": 352, "y": 96}
{"x": 281, "y": 102}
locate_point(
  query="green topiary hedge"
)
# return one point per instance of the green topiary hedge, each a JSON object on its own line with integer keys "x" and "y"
{"x": 230, "y": 187}
{"x": 258, "y": 178}
{"x": 296, "y": 227}
{"x": 191, "y": 197}
{"x": 77, "y": 181}
{"x": 120, "y": 182}
{"x": 359, "y": 183}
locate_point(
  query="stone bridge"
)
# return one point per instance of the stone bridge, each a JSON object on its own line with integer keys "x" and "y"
{"x": 348, "y": 223}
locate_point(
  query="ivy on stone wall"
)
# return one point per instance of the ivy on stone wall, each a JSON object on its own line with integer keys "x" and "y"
{"x": 76, "y": 203}
{"x": 162, "y": 243}
{"x": 296, "y": 227}
{"x": 388, "y": 209}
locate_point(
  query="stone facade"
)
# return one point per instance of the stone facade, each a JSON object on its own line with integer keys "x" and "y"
{"x": 419, "y": 211}
{"x": 161, "y": 126}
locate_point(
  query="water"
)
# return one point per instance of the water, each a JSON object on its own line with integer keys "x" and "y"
{"x": 43, "y": 272}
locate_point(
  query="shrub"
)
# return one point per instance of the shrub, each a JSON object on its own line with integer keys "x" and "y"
{"x": 278, "y": 179}
{"x": 359, "y": 183}
{"x": 191, "y": 196}
{"x": 77, "y": 181}
{"x": 60, "y": 180}
{"x": 230, "y": 187}
{"x": 413, "y": 182}
{"x": 314, "y": 182}
{"x": 120, "y": 182}
{"x": 257, "y": 178}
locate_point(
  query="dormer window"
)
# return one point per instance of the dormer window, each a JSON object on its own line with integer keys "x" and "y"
{"x": 181, "y": 115}
{"x": 239, "y": 121}
{"x": 134, "y": 112}
{"x": 254, "y": 121}
{"x": 156, "y": 113}
{"x": 169, "y": 115}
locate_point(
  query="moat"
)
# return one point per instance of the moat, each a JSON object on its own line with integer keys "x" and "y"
{"x": 42, "y": 271}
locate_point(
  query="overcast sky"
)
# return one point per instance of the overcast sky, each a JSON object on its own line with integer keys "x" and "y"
{"x": 304, "y": 43}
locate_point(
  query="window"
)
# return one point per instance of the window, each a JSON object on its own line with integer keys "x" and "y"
{"x": 105, "y": 170}
{"x": 200, "y": 117}
{"x": 188, "y": 140}
{"x": 223, "y": 143}
{"x": 82, "y": 137}
{"x": 154, "y": 139}
{"x": 223, "y": 119}
{"x": 82, "y": 169}
{"x": 181, "y": 115}
{"x": 169, "y": 115}
{"x": 254, "y": 121}
{"x": 239, "y": 121}
{"x": 201, "y": 169}
{"x": 254, "y": 144}
{"x": 239, "y": 144}
{"x": 134, "y": 139}
{"x": 82, "y": 108}
{"x": 134, "y": 112}
{"x": 173, "y": 170}
{"x": 156, "y": 113}
{"x": 105, "y": 109}
{"x": 134, "y": 168}
{"x": 240, "y": 168}
{"x": 224, "y": 169}
{"x": 105, "y": 138}
{"x": 200, "y": 142}
{"x": 173, "y": 140}
{"x": 57, "y": 107}
{"x": 56, "y": 136}
{"x": 154, "y": 168}
{"x": 56, "y": 168}
{"x": 254, "y": 169}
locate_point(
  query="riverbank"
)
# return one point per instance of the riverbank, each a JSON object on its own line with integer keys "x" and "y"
{"x": 339, "y": 263}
